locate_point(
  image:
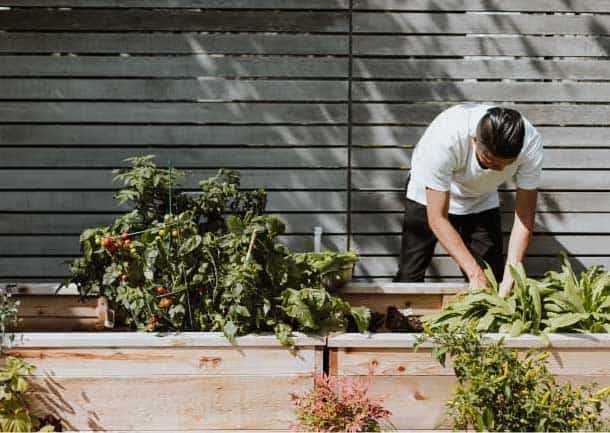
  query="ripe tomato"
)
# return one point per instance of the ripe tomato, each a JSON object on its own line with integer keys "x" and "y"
{"x": 124, "y": 277}
{"x": 125, "y": 236}
{"x": 107, "y": 242}
{"x": 162, "y": 291}
{"x": 165, "y": 302}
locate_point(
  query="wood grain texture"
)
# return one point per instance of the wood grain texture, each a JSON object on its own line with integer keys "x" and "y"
{"x": 486, "y": 5}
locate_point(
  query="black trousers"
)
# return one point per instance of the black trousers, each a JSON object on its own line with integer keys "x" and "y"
{"x": 481, "y": 232}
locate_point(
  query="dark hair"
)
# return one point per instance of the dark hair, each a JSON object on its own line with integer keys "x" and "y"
{"x": 501, "y": 131}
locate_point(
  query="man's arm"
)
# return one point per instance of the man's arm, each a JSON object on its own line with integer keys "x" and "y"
{"x": 521, "y": 233}
{"x": 438, "y": 220}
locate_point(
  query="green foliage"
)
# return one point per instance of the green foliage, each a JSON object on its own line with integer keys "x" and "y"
{"x": 559, "y": 302}
{"x": 15, "y": 414}
{"x": 498, "y": 390}
{"x": 8, "y": 317}
{"x": 216, "y": 265}
{"x": 334, "y": 269}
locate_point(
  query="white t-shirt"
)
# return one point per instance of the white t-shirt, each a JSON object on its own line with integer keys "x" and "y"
{"x": 444, "y": 159}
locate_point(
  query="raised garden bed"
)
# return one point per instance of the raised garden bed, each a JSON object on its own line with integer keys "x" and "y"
{"x": 188, "y": 381}
{"x": 416, "y": 387}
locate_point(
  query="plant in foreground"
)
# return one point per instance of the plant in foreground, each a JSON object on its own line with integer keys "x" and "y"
{"x": 500, "y": 390}
{"x": 8, "y": 317}
{"x": 15, "y": 413}
{"x": 340, "y": 404}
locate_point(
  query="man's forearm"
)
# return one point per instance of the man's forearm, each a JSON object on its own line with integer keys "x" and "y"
{"x": 520, "y": 237}
{"x": 454, "y": 245}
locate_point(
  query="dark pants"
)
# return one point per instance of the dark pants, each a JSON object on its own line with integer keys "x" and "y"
{"x": 481, "y": 232}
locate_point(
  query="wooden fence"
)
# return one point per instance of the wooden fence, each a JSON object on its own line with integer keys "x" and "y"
{"x": 319, "y": 101}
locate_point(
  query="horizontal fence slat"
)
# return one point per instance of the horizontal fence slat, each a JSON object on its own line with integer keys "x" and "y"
{"x": 388, "y": 201}
{"x": 486, "y": 5}
{"x": 538, "y": 114}
{"x": 43, "y": 245}
{"x": 103, "y": 201}
{"x": 372, "y": 179}
{"x": 548, "y": 245}
{"x": 176, "y": 20}
{"x": 553, "y": 158}
{"x": 491, "y": 68}
{"x": 174, "y": 4}
{"x": 488, "y": 91}
{"x": 91, "y": 179}
{"x": 446, "y": 266}
{"x": 502, "y": 23}
{"x": 171, "y": 135}
{"x": 171, "y": 43}
{"x": 320, "y": 157}
{"x": 172, "y": 90}
{"x": 450, "y": 46}
{"x": 74, "y": 224}
{"x": 560, "y": 223}
{"x": 167, "y": 112}
{"x": 554, "y": 136}
{"x": 196, "y": 65}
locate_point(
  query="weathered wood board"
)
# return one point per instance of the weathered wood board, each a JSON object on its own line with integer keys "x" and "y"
{"x": 416, "y": 387}
{"x": 189, "y": 381}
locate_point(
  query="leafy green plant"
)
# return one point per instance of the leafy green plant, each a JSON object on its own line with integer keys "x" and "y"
{"x": 15, "y": 414}
{"x": 499, "y": 390}
{"x": 214, "y": 265}
{"x": 559, "y": 302}
{"x": 578, "y": 304}
{"x": 334, "y": 269}
{"x": 8, "y": 317}
{"x": 340, "y": 404}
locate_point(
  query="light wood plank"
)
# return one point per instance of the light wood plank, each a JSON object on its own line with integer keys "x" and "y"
{"x": 402, "y": 288}
{"x": 159, "y": 89}
{"x": 179, "y": 20}
{"x": 168, "y": 403}
{"x": 59, "y": 306}
{"x": 186, "y": 43}
{"x": 168, "y": 112}
{"x": 502, "y": 23}
{"x": 530, "y": 46}
{"x": 188, "y": 4}
{"x": 419, "y": 304}
{"x": 185, "y": 361}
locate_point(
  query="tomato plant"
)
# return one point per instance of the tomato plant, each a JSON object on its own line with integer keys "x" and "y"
{"x": 208, "y": 261}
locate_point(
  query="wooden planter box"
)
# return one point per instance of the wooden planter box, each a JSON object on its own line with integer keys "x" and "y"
{"x": 416, "y": 387}
{"x": 188, "y": 381}
{"x": 44, "y": 309}
{"x": 421, "y": 298}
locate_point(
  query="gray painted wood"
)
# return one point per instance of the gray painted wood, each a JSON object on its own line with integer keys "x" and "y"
{"x": 166, "y": 112}
{"x": 487, "y": 5}
{"x": 553, "y": 158}
{"x": 273, "y": 103}
{"x": 561, "y": 180}
{"x": 178, "y": 20}
{"x": 175, "y": 43}
{"x": 171, "y": 135}
{"x": 186, "y": 66}
{"x": 188, "y": 4}
{"x": 103, "y": 201}
{"x": 449, "y": 46}
{"x": 490, "y": 68}
{"x": 205, "y": 157}
{"x": 202, "y": 89}
{"x": 452, "y": 23}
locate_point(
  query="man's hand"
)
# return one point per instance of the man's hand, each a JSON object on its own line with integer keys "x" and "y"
{"x": 477, "y": 280}
{"x": 505, "y": 287}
